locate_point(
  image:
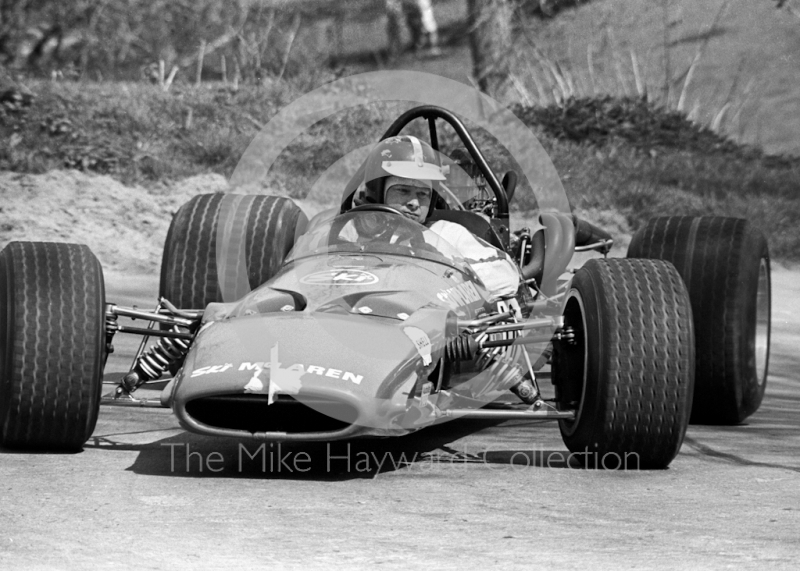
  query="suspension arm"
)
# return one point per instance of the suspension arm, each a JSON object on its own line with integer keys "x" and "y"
{"x": 465, "y": 346}
{"x": 171, "y": 348}
{"x": 537, "y": 323}
{"x": 148, "y": 315}
{"x": 527, "y": 340}
{"x": 494, "y": 318}
{"x": 153, "y": 332}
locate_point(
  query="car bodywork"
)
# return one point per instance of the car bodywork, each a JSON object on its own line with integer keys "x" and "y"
{"x": 371, "y": 338}
{"x": 357, "y": 333}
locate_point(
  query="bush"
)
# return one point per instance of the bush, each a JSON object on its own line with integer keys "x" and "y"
{"x": 611, "y": 154}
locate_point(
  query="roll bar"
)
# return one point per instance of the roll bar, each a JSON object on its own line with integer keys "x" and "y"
{"x": 431, "y": 113}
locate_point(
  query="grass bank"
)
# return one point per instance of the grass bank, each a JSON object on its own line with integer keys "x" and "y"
{"x": 625, "y": 155}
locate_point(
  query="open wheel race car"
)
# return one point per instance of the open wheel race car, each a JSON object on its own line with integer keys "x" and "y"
{"x": 368, "y": 336}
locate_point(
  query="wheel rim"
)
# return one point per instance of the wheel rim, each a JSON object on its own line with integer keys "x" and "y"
{"x": 575, "y": 316}
{"x": 762, "y": 321}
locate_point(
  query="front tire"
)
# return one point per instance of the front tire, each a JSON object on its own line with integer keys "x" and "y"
{"x": 725, "y": 264}
{"x": 52, "y": 345}
{"x": 628, "y": 367}
{"x": 263, "y": 227}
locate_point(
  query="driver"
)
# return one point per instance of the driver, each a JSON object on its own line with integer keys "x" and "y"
{"x": 404, "y": 172}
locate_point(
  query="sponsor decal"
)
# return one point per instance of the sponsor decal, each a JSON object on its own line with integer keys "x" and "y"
{"x": 211, "y": 369}
{"x": 301, "y": 369}
{"x": 461, "y": 294}
{"x": 340, "y": 277}
{"x": 286, "y": 381}
{"x": 421, "y": 342}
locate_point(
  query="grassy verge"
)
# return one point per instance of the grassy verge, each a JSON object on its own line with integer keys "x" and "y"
{"x": 646, "y": 161}
{"x": 138, "y": 134}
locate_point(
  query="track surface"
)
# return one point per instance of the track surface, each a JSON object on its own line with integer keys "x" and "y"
{"x": 477, "y": 495}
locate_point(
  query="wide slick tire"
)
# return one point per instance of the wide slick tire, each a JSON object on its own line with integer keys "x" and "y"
{"x": 725, "y": 265}
{"x": 260, "y": 231}
{"x": 626, "y": 364}
{"x": 52, "y": 345}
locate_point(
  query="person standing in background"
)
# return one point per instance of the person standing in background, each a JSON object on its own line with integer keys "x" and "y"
{"x": 421, "y": 24}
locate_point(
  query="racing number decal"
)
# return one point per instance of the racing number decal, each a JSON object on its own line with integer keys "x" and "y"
{"x": 502, "y": 307}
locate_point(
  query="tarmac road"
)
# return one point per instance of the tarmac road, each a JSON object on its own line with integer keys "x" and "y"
{"x": 145, "y": 494}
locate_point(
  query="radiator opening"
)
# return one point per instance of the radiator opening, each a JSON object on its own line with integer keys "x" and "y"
{"x": 287, "y": 414}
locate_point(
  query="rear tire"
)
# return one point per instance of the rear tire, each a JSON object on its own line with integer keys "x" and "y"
{"x": 266, "y": 225}
{"x": 725, "y": 264}
{"x": 52, "y": 345}
{"x": 629, "y": 371}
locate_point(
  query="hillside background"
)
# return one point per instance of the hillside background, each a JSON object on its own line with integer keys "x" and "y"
{"x": 646, "y": 108}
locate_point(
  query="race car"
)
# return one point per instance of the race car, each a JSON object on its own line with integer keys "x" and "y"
{"x": 349, "y": 333}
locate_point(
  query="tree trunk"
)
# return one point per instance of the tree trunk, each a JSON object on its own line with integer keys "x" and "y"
{"x": 490, "y": 42}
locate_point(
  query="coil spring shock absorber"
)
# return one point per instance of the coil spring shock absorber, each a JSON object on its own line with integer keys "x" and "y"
{"x": 160, "y": 356}
{"x": 155, "y": 361}
{"x": 467, "y": 346}
{"x": 500, "y": 362}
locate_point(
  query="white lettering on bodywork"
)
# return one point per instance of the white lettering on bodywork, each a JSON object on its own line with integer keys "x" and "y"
{"x": 348, "y": 376}
{"x": 461, "y": 294}
{"x": 211, "y": 369}
{"x": 298, "y": 368}
{"x": 251, "y": 366}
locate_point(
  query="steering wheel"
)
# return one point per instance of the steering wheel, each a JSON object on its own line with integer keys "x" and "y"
{"x": 383, "y": 231}
{"x": 376, "y": 208}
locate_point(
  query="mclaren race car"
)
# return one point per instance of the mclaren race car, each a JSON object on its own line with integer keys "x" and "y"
{"x": 362, "y": 323}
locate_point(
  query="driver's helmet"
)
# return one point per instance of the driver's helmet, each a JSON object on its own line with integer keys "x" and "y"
{"x": 403, "y": 156}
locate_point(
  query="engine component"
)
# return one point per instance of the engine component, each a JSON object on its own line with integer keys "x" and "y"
{"x": 526, "y": 391}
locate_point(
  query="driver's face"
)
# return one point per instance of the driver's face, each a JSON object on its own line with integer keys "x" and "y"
{"x": 413, "y": 201}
